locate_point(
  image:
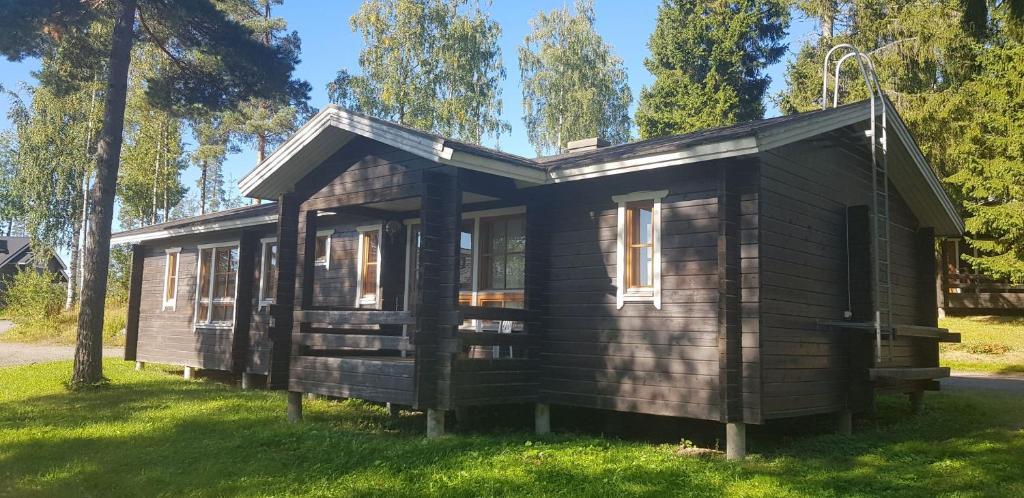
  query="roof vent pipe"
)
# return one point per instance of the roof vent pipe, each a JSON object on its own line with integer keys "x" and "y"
{"x": 585, "y": 144}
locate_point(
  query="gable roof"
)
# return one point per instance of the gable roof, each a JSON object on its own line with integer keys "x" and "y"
{"x": 16, "y": 248}
{"x": 257, "y": 214}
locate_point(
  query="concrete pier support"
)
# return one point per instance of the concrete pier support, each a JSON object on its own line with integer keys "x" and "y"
{"x": 844, "y": 422}
{"x": 735, "y": 441}
{"x": 435, "y": 423}
{"x": 140, "y": 365}
{"x": 294, "y": 406}
{"x": 542, "y": 418}
{"x": 189, "y": 373}
{"x": 248, "y": 380}
{"x": 393, "y": 410}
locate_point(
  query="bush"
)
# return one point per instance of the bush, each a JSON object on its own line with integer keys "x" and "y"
{"x": 32, "y": 296}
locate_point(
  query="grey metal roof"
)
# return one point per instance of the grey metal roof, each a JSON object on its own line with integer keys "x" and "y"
{"x": 241, "y": 213}
{"x": 16, "y": 246}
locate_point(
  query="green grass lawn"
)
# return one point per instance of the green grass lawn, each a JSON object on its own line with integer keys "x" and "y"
{"x": 989, "y": 344}
{"x": 151, "y": 433}
{"x": 63, "y": 327}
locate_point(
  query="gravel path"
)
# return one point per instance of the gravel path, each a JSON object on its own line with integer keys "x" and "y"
{"x": 980, "y": 381}
{"x": 16, "y": 353}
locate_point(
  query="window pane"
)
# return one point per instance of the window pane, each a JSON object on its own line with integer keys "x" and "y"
{"x": 497, "y": 233}
{"x": 370, "y": 248}
{"x": 269, "y": 271}
{"x": 496, "y": 271}
{"x": 172, "y": 276}
{"x": 321, "y": 249}
{"x": 515, "y": 271}
{"x": 516, "y": 234}
{"x": 466, "y": 257}
{"x": 204, "y": 310}
{"x": 643, "y": 266}
{"x": 644, "y": 226}
{"x": 222, "y": 312}
{"x": 204, "y": 271}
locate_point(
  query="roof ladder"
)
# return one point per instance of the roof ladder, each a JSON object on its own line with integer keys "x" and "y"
{"x": 882, "y": 275}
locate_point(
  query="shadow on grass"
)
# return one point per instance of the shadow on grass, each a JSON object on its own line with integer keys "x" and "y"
{"x": 153, "y": 434}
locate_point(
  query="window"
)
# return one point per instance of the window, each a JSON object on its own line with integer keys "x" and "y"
{"x": 218, "y": 273}
{"x": 638, "y": 261}
{"x": 369, "y": 265}
{"x": 268, "y": 271}
{"x": 323, "y": 248}
{"x": 171, "y": 278}
{"x": 502, "y": 253}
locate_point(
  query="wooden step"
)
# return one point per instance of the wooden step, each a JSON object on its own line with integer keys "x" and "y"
{"x": 908, "y": 373}
{"x": 939, "y": 334}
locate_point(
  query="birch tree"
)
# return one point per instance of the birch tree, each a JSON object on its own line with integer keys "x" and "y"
{"x": 574, "y": 87}
{"x": 434, "y": 65}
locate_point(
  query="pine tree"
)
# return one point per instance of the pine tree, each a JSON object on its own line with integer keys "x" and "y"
{"x": 212, "y": 146}
{"x": 709, "y": 61}
{"x": 446, "y": 77}
{"x": 217, "y": 64}
{"x": 573, "y": 86}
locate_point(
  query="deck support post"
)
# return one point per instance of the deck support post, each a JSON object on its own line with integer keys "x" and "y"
{"x": 189, "y": 373}
{"x": 735, "y": 441}
{"x": 247, "y": 380}
{"x": 294, "y": 406}
{"x": 140, "y": 365}
{"x": 542, "y": 418}
{"x": 844, "y": 422}
{"x": 916, "y": 401}
{"x": 435, "y": 423}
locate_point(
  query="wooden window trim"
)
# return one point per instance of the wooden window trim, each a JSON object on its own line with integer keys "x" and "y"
{"x": 172, "y": 303}
{"x": 209, "y": 323}
{"x": 624, "y": 293}
{"x": 361, "y": 260}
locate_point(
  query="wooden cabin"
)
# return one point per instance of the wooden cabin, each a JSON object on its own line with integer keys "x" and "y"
{"x": 723, "y": 275}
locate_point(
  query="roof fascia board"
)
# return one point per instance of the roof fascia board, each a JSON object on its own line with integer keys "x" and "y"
{"x": 482, "y": 164}
{"x": 786, "y": 134}
{"x": 698, "y": 153}
{"x": 194, "y": 229}
{"x": 289, "y": 148}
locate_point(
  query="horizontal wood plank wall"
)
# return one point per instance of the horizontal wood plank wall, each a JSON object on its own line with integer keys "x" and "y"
{"x": 636, "y": 358}
{"x": 168, "y": 336}
{"x": 805, "y": 190}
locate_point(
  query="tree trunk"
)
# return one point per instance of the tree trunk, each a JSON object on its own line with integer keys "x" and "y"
{"x": 88, "y": 367}
{"x": 202, "y": 186}
{"x": 76, "y": 243}
{"x": 828, "y": 20}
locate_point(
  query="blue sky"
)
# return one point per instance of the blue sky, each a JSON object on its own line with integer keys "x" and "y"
{"x": 328, "y": 44}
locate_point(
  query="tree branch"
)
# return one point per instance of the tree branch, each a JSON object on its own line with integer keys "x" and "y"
{"x": 161, "y": 44}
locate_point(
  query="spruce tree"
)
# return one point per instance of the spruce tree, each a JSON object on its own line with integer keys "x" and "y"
{"x": 709, "y": 61}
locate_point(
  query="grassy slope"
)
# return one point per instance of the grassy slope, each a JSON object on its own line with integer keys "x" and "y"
{"x": 150, "y": 433}
{"x": 979, "y": 334}
{"x": 62, "y": 328}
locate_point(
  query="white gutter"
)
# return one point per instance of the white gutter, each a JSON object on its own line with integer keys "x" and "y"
{"x": 129, "y": 238}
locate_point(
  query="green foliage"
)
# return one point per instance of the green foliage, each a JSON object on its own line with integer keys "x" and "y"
{"x": 709, "y": 61}
{"x": 149, "y": 179}
{"x": 266, "y": 122}
{"x": 62, "y": 327}
{"x": 430, "y": 64}
{"x": 989, "y": 149}
{"x": 31, "y": 295}
{"x": 212, "y": 145}
{"x": 120, "y": 273}
{"x": 574, "y": 87}
{"x": 964, "y": 444}
{"x": 989, "y": 344}
{"x": 10, "y": 202}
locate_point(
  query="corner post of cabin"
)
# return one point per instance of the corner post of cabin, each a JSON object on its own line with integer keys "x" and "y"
{"x": 248, "y": 249}
{"x": 280, "y": 333}
{"x": 537, "y": 249}
{"x": 131, "y": 341}
{"x": 730, "y": 353}
{"x": 437, "y": 310}
{"x": 307, "y": 227}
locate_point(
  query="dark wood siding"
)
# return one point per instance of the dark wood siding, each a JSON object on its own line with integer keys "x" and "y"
{"x": 639, "y": 358}
{"x": 806, "y": 189}
{"x": 168, "y": 335}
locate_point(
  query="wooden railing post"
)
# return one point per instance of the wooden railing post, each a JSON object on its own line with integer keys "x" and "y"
{"x": 280, "y": 332}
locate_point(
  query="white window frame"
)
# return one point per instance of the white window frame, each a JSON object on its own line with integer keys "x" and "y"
{"x": 266, "y": 295}
{"x": 362, "y": 231}
{"x": 622, "y": 294}
{"x": 172, "y": 303}
{"x": 326, "y": 263}
{"x": 234, "y": 300}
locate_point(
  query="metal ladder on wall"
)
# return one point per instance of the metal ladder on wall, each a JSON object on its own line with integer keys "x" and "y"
{"x": 835, "y": 58}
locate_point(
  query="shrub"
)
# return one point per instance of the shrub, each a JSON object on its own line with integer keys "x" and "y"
{"x": 32, "y": 296}
{"x": 991, "y": 348}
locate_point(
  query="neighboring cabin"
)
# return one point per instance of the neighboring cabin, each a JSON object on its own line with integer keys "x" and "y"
{"x": 16, "y": 255}
{"x": 722, "y": 275}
